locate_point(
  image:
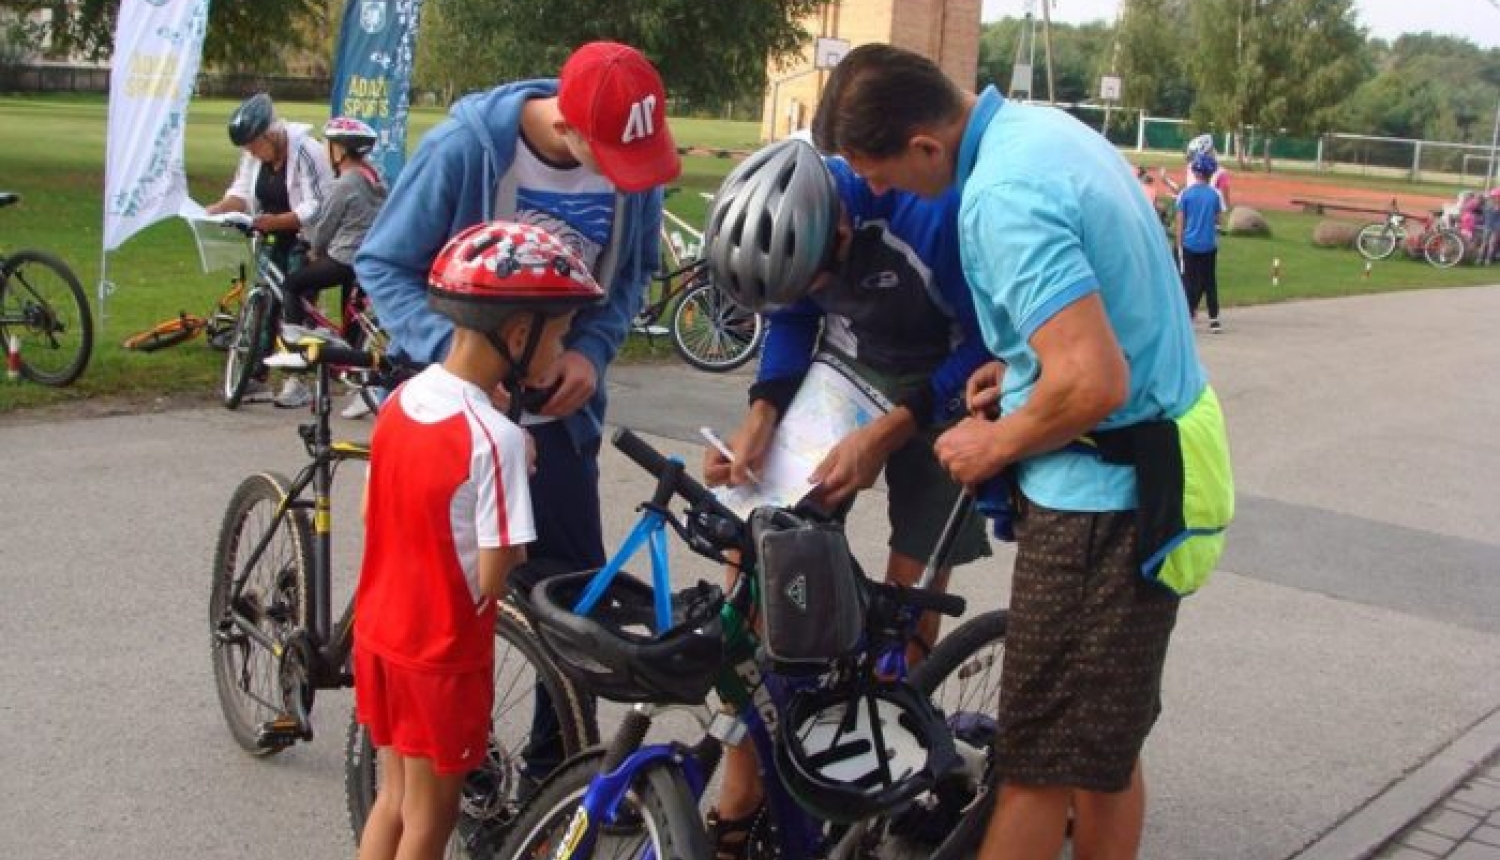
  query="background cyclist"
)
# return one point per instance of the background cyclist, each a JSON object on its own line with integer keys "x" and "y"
{"x": 282, "y": 177}
{"x": 348, "y": 212}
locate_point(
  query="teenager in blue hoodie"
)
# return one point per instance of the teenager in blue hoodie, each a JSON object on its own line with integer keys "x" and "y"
{"x": 583, "y": 156}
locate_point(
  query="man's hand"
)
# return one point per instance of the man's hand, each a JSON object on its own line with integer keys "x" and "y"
{"x": 982, "y": 391}
{"x": 852, "y": 465}
{"x": 273, "y": 223}
{"x": 749, "y": 442}
{"x": 576, "y": 381}
{"x": 968, "y": 451}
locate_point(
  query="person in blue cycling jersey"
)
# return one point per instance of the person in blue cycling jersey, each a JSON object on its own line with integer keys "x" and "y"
{"x": 877, "y": 283}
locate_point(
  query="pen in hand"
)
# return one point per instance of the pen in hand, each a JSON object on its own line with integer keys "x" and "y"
{"x": 713, "y": 439}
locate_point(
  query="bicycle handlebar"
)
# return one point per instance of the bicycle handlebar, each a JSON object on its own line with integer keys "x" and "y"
{"x": 345, "y": 356}
{"x": 679, "y": 482}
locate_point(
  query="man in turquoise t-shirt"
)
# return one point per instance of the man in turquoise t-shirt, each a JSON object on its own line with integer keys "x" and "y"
{"x": 1080, "y": 300}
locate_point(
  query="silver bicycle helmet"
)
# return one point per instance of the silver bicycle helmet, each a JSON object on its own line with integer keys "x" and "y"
{"x": 773, "y": 227}
{"x": 251, "y": 119}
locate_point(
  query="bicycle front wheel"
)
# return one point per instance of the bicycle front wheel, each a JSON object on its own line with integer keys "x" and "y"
{"x": 1376, "y": 241}
{"x": 246, "y": 347}
{"x": 1444, "y": 249}
{"x": 658, "y": 819}
{"x": 169, "y": 333}
{"x": 44, "y": 308}
{"x": 247, "y": 628}
{"x": 962, "y": 678}
{"x": 711, "y": 332}
{"x": 493, "y": 792}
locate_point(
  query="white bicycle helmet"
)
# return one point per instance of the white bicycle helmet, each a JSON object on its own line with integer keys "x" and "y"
{"x": 773, "y": 227}
{"x": 1203, "y": 144}
{"x": 848, "y": 756}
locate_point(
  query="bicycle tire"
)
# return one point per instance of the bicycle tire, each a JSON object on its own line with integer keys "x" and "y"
{"x": 1376, "y": 242}
{"x": 712, "y": 333}
{"x": 1443, "y": 249}
{"x": 51, "y": 317}
{"x": 246, "y": 348}
{"x": 962, "y": 678}
{"x": 167, "y": 334}
{"x": 659, "y": 807}
{"x": 275, "y": 597}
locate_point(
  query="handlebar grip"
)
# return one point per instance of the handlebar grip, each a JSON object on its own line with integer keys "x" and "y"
{"x": 650, "y": 459}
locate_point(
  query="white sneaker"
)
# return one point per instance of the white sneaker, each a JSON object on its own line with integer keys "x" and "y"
{"x": 358, "y": 406}
{"x": 293, "y": 394}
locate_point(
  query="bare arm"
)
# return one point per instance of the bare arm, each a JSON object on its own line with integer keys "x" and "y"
{"x": 495, "y": 565}
{"x": 1083, "y": 379}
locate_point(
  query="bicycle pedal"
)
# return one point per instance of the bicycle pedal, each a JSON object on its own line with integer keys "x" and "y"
{"x": 657, "y": 330}
{"x": 282, "y": 732}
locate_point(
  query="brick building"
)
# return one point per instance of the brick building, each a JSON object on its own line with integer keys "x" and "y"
{"x": 945, "y": 30}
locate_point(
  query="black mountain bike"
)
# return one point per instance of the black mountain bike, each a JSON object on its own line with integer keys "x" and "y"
{"x": 44, "y": 310}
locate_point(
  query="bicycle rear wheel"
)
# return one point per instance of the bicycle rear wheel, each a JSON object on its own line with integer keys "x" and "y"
{"x": 170, "y": 333}
{"x": 247, "y": 674}
{"x": 713, "y": 333}
{"x": 492, "y": 793}
{"x": 246, "y": 347}
{"x": 1444, "y": 249}
{"x": 44, "y": 307}
{"x": 659, "y": 819}
{"x": 1376, "y": 242}
{"x": 962, "y": 678}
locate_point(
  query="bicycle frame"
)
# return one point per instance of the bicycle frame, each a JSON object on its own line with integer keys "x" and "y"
{"x": 329, "y": 646}
{"x": 755, "y": 699}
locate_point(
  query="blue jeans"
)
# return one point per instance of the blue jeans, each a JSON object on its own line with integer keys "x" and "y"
{"x": 565, "y": 503}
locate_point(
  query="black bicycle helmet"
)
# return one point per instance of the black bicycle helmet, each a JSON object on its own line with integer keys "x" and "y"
{"x": 612, "y": 652}
{"x": 773, "y": 227}
{"x": 251, "y": 119}
{"x": 850, "y": 755}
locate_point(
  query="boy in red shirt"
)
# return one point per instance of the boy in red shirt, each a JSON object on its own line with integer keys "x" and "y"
{"x": 448, "y": 514}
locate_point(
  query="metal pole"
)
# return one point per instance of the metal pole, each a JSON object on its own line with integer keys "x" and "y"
{"x": 1493, "y": 173}
{"x": 1047, "y": 41}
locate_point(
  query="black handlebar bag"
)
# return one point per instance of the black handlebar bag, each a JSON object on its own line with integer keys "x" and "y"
{"x": 812, "y": 606}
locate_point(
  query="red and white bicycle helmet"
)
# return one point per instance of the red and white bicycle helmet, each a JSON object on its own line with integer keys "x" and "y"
{"x": 491, "y": 271}
{"x": 355, "y": 136}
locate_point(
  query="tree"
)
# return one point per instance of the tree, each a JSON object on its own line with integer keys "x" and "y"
{"x": 241, "y": 35}
{"x": 1273, "y": 66}
{"x": 1153, "y": 56}
{"x": 707, "y": 52}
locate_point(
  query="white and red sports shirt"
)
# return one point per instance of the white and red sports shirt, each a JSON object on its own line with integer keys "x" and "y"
{"x": 448, "y": 476}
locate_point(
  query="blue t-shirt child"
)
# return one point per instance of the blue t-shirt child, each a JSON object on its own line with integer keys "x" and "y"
{"x": 1200, "y": 205}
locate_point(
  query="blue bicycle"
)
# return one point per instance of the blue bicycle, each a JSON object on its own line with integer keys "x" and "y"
{"x": 852, "y": 749}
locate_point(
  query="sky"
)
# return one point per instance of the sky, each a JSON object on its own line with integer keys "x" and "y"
{"x": 1476, "y": 20}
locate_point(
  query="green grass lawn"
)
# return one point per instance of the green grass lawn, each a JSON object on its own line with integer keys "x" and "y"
{"x": 54, "y": 157}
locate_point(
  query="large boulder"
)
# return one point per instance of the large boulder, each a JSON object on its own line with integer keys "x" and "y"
{"x": 1333, "y": 233}
{"x": 1244, "y": 221}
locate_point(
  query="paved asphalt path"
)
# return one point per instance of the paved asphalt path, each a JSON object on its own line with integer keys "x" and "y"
{"x": 1352, "y": 632}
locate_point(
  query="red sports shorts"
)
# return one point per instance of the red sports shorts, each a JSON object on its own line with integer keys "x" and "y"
{"x": 442, "y": 717}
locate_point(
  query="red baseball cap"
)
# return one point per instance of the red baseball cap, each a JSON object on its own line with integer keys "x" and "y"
{"x": 614, "y": 97}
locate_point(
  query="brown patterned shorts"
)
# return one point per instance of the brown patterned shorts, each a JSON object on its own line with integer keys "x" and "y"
{"x": 1081, "y": 683}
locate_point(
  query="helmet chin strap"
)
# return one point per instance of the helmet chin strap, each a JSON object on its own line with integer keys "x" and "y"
{"x": 515, "y": 376}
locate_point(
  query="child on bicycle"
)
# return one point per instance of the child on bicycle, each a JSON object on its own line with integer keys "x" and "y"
{"x": 348, "y": 212}
{"x": 448, "y": 515}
